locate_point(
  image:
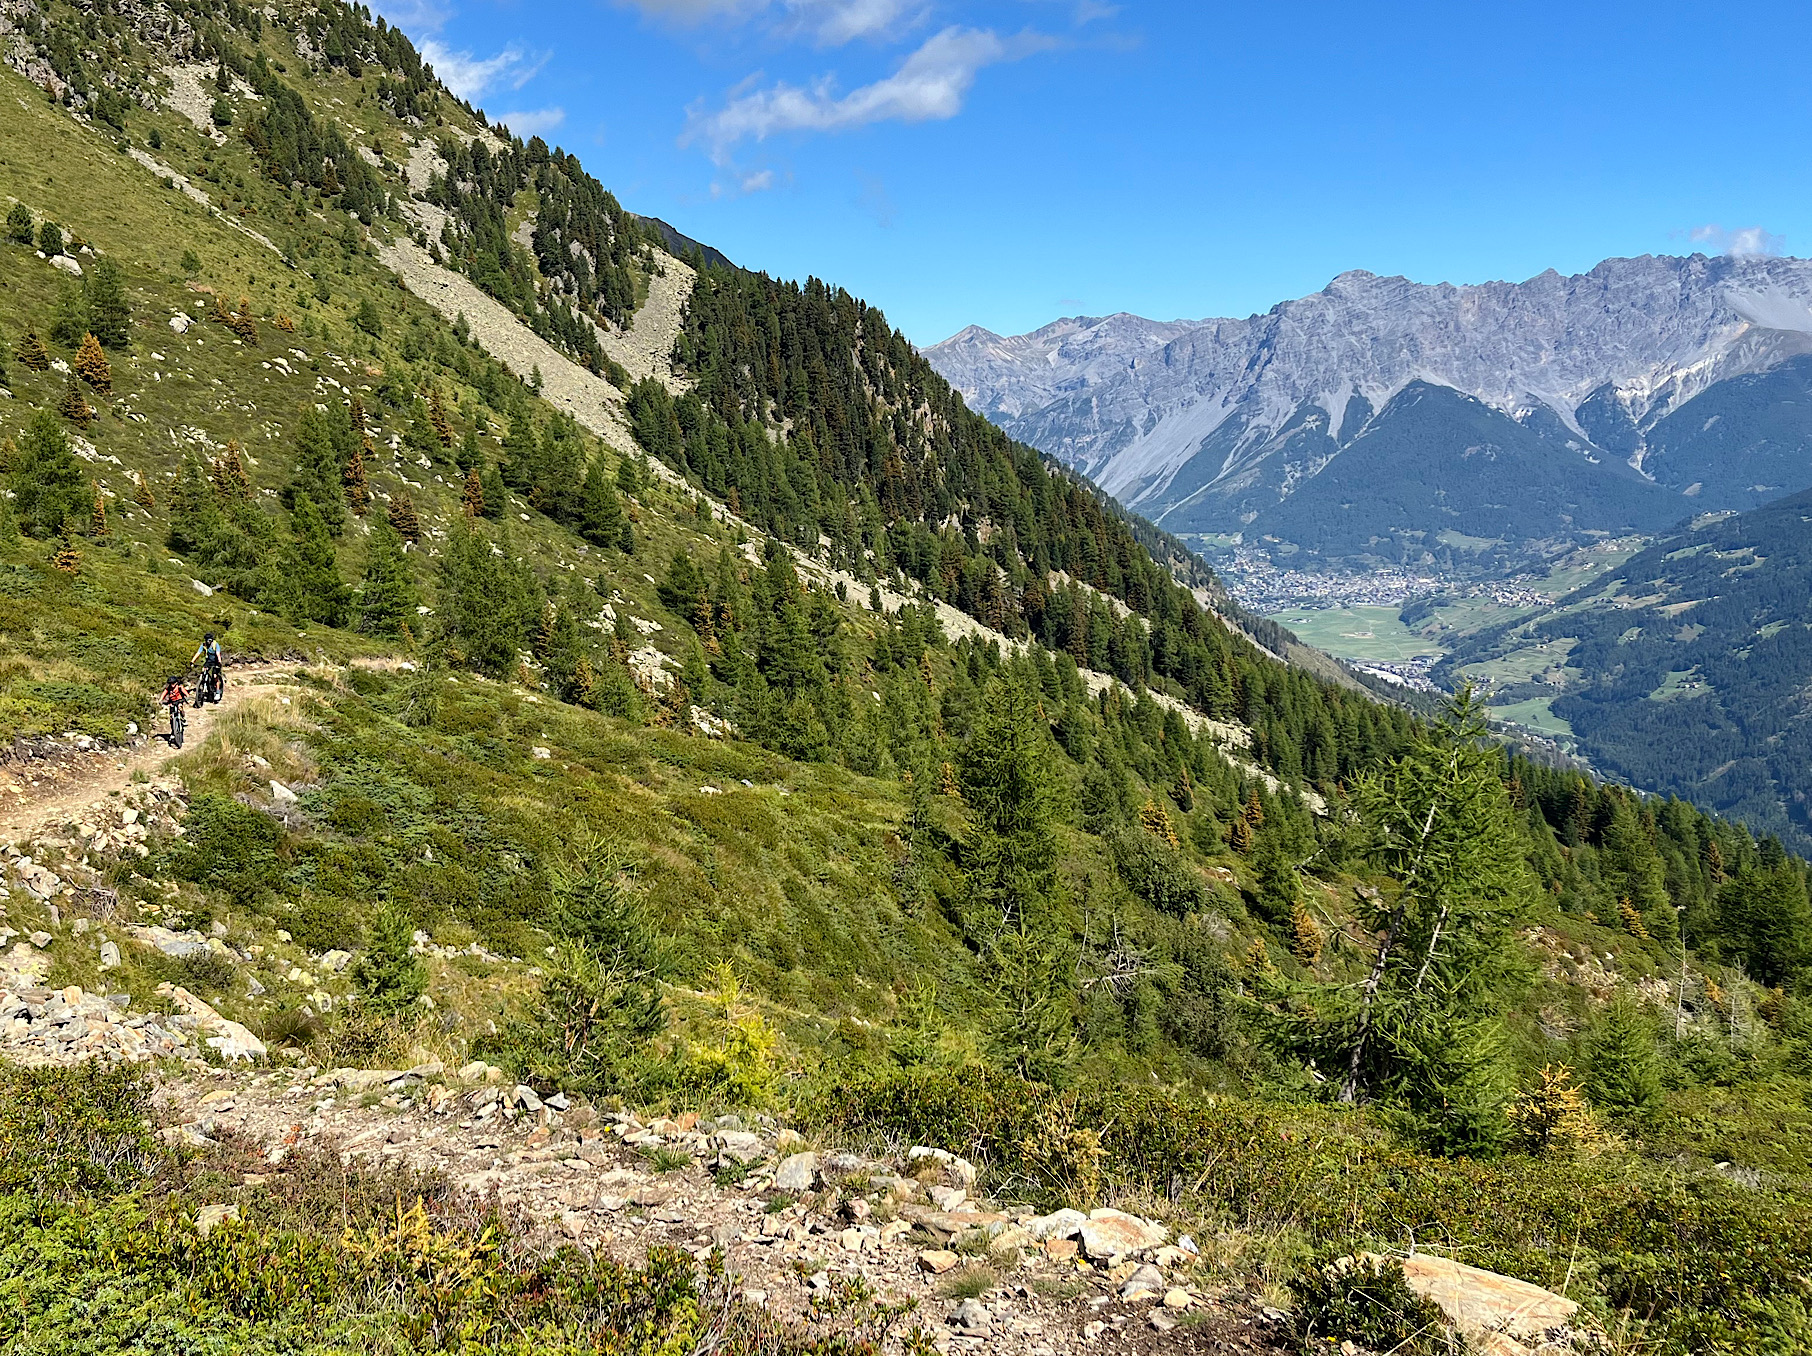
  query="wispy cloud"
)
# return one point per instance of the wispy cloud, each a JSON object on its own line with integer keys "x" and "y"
{"x": 1743, "y": 240}
{"x": 533, "y": 122}
{"x": 471, "y": 78}
{"x": 930, "y": 85}
{"x": 830, "y": 23}
{"x": 415, "y": 16}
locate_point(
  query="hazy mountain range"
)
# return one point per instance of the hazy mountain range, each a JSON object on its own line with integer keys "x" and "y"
{"x": 1380, "y": 416}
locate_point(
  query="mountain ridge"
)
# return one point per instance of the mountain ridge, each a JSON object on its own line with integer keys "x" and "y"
{"x": 1191, "y": 422}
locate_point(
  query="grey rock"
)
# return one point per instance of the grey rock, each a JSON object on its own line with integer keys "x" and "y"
{"x": 796, "y": 1173}
{"x": 971, "y": 1315}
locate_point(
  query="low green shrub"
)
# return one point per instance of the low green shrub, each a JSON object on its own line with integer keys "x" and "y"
{"x": 73, "y": 1131}
{"x": 1367, "y": 1300}
{"x": 1694, "y": 1261}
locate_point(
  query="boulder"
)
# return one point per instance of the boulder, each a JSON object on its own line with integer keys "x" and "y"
{"x": 1146, "y": 1283}
{"x": 740, "y": 1146}
{"x": 1059, "y": 1224}
{"x": 960, "y": 1168}
{"x": 210, "y": 1217}
{"x": 796, "y": 1173}
{"x": 937, "y": 1261}
{"x": 971, "y": 1316}
{"x": 1498, "y": 1315}
{"x": 1113, "y": 1233}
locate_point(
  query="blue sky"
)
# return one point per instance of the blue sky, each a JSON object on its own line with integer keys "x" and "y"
{"x": 1007, "y": 162}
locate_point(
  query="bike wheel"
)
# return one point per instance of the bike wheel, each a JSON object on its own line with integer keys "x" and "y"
{"x": 178, "y": 723}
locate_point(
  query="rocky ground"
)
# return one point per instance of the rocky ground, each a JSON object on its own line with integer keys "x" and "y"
{"x": 793, "y": 1223}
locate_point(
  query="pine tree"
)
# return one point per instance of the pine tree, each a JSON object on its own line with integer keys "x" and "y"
{"x": 401, "y": 516}
{"x": 66, "y": 558}
{"x": 97, "y": 514}
{"x": 194, "y": 510}
{"x": 50, "y": 238}
{"x": 358, "y": 491}
{"x": 325, "y": 442}
{"x": 231, "y": 480}
{"x": 219, "y": 313}
{"x": 1306, "y": 939}
{"x": 1279, "y": 888}
{"x": 496, "y": 497}
{"x": 19, "y": 224}
{"x": 69, "y": 321}
{"x": 316, "y": 591}
{"x": 601, "y": 520}
{"x": 471, "y": 498}
{"x": 1155, "y": 820}
{"x": 1623, "y": 1063}
{"x": 1239, "y": 836}
{"x": 47, "y": 482}
{"x": 74, "y": 406}
{"x": 141, "y": 492}
{"x": 388, "y": 599}
{"x": 32, "y": 353}
{"x": 389, "y": 975}
{"x": 109, "y": 311}
{"x": 437, "y": 417}
{"x": 92, "y": 366}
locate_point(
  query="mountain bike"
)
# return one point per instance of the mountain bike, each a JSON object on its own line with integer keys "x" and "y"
{"x": 173, "y": 699}
{"x": 212, "y": 684}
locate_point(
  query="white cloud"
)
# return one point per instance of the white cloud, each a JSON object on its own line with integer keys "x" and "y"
{"x": 533, "y": 122}
{"x": 471, "y": 78}
{"x": 831, "y": 23}
{"x": 1743, "y": 240}
{"x": 759, "y": 182}
{"x": 930, "y": 85}
{"x": 415, "y": 16}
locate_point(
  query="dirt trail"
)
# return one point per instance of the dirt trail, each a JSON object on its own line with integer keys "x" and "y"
{"x": 46, "y": 790}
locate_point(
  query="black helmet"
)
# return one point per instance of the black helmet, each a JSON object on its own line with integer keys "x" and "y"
{"x": 210, "y": 635}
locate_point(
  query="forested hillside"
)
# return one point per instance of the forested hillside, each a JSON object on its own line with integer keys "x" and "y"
{"x": 1686, "y": 669}
{"x": 801, "y": 748}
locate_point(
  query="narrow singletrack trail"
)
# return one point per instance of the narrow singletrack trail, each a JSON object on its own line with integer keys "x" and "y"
{"x": 39, "y": 794}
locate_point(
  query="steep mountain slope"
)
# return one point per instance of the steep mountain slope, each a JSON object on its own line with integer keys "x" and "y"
{"x": 1216, "y": 426}
{"x": 830, "y": 759}
{"x": 1687, "y": 670}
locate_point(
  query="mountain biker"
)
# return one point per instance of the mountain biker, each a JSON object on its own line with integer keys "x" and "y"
{"x": 174, "y": 695}
{"x": 207, "y": 654}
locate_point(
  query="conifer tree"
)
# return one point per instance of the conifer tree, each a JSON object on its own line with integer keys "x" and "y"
{"x": 358, "y": 491}
{"x": 401, "y": 516}
{"x": 32, "y": 353}
{"x": 69, "y": 321}
{"x": 496, "y": 497}
{"x": 324, "y": 445}
{"x": 601, "y": 519}
{"x": 19, "y": 224}
{"x": 66, "y": 558}
{"x": 1155, "y": 820}
{"x": 47, "y": 482}
{"x": 1623, "y": 1064}
{"x": 109, "y": 311}
{"x": 74, "y": 406}
{"x": 194, "y": 510}
{"x": 316, "y": 591}
{"x": 389, "y": 975}
{"x": 388, "y": 598}
{"x": 1306, "y": 939}
{"x": 92, "y": 366}
{"x": 97, "y": 514}
{"x": 437, "y": 417}
{"x": 471, "y": 498}
{"x": 50, "y": 238}
{"x": 142, "y": 494}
